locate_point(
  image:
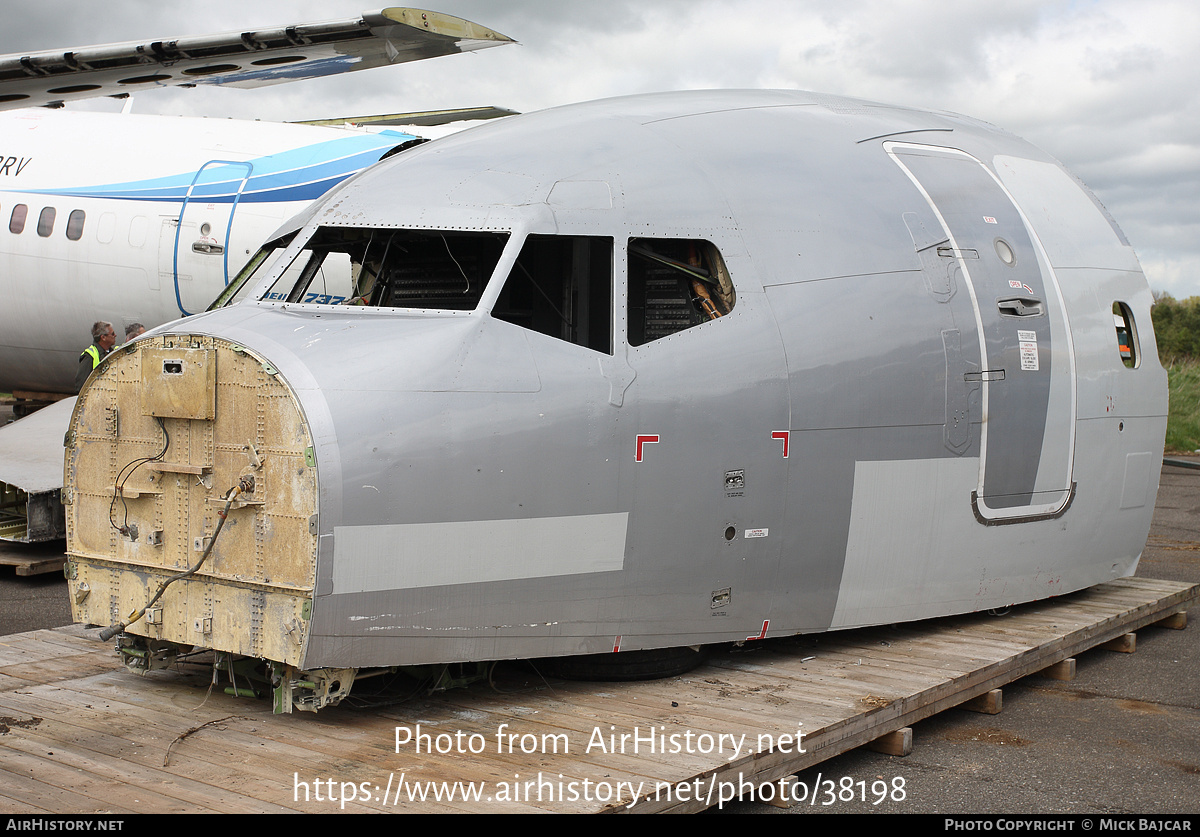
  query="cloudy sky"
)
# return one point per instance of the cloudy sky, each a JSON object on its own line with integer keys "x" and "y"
{"x": 1110, "y": 87}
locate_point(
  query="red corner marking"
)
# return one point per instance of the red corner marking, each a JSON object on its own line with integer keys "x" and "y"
{"x": 782, "y": 434}
{"x": 644, "y": 440}
{"x": 617, "y": 644}
{"x": 763, "y": 633}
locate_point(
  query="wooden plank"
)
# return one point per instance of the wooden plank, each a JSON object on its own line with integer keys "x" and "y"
{"x": 53, "y": 671}
{"x": 47, "y": 657}
{"x": 1124, "y": 644}
{"x": 1062, "y": 670}
{"x": 786, "y": 794}
{"x": 128, "y": 760}
{"x": 898, "y": 743}
{"x": 41, "y": 646}
{"x": 80, "y": 782}
{"x": 991, "y": 703}
{"x": 32, "y": 564}
{"x": 102, "y": 734}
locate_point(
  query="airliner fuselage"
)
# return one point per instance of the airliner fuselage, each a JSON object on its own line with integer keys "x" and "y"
{"x": 635, "y": 374}
{"x": 129, "y": 218}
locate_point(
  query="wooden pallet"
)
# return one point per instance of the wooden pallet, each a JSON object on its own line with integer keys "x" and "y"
{"x": 79, "y": 734}
{"x": 33, "y": 559}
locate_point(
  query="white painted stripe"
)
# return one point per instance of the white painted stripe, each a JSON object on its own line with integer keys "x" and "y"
{"x": 409, "y": 555}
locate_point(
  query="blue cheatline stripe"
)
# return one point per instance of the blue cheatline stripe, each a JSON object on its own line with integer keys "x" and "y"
{"x": 298, "y": 174}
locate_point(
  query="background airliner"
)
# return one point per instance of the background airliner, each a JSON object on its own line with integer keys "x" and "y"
{"x": 131, "y": 218}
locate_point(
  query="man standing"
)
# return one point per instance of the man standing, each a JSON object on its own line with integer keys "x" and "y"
{"x": 134, "y": 331}
{"x": 103, "y": 340}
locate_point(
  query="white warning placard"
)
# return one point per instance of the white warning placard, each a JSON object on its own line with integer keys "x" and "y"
{"x": 1027, "y": 341}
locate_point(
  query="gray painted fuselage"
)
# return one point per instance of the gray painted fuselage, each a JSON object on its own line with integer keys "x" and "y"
{"x": 916, "y": 407}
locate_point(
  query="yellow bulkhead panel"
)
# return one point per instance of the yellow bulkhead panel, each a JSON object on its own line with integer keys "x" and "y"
{"x": 179, "y": 382}
{"x": 160, "y": 435}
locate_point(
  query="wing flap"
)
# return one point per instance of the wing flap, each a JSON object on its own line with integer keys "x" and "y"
{"x": 239, "y": 59}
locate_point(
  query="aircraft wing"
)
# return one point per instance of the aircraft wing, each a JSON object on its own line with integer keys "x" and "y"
{"x": 239, "y": 59}
{"x": 419, "y": 118}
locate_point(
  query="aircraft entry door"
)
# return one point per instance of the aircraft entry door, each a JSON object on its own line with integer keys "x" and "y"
{"x": 200, "y": 255}
{"x": 1028, "y": 410}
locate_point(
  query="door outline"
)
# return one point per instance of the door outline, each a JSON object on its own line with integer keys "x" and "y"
{"x": 983, "y": 512}
{"x": 187, "y": 198}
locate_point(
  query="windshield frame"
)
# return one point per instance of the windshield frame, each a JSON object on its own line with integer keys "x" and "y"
{"x": 265, "y": 273}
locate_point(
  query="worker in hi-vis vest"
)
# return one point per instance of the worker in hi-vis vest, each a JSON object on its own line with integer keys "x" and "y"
{"x": 103, "y": 340}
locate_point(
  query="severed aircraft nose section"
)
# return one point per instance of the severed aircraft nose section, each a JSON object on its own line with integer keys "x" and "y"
{"x": 652, "y": 388}
{"x": 192, "y": 505}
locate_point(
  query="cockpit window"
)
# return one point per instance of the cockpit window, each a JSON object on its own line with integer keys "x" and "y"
{"x": 674, "y": 284}
{"x": 247, "y": 277}
{"x": 1127, "y": 336}
{"x": 391, "y": 268}
{"x": 561, "y": 286}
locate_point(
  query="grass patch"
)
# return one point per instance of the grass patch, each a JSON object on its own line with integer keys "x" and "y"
{"x": 1183, "y": 415}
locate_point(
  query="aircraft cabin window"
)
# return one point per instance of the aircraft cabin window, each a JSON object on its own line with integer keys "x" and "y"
{"x": 75, "y": 225}
{"x": 106, "y": 229}
{"x": 391, "y": 268}
{"x": 16, "y": 224}
{"x": 561, "y": 286}
{"x": 674, "y": 284}
{"x": 138, "y": 230}
{"x": 46, "y": 222}
{"x": 1127, "y": 340}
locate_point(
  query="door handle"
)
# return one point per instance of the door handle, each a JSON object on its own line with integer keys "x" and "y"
{"x": 1020, "y": 307}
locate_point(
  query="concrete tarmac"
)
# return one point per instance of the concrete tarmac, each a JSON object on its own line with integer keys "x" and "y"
{"x": 1122, "y": 738}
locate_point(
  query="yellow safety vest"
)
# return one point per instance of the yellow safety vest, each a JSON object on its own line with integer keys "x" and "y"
{"x": 92, "y": 352}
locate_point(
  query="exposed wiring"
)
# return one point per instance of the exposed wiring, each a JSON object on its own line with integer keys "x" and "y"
{"x": 379, "y": 289}
{"x": 244, "y": 485}
{"x": 123, "y": 477}
{"x": 465, "y": 277}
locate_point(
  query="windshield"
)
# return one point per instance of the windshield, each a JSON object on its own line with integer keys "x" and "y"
{"x": 390, "y": 268}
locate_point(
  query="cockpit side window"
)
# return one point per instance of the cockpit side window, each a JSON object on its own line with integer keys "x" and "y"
{"x": 239, "y": 288}
{"x": 1127, "y": 336}
{"x": 561, "y": 286}
{"x": 438, "y": 269}
{"x": 674, "y": 284}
